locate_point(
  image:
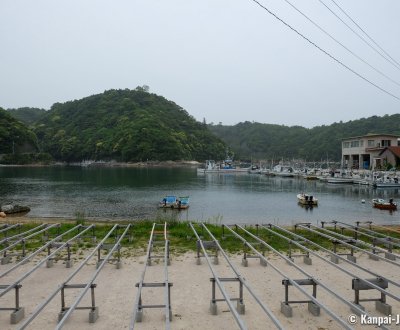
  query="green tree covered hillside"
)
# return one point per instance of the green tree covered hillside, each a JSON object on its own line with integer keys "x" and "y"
{"x": 125, "y": 125}
{"x": 15, "y": 137}
{"x": 267, "y": 141}
{"x": 27, "y": 115}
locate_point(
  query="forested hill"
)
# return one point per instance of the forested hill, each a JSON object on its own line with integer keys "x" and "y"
{"x": 15, "y": 137}
{"x": 266, "y": 141}
{"x": 27, "y": 115}
{"x": 125, "y": 125}
{"x": 135, "y": 125}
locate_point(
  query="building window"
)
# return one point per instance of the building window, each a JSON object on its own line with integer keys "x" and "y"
{"x": 361, "y": 143}
{"x": 355, "y": 144}
{"x": 386, "y": 143}
{"x": 371, "y": 143}
{"x": 346, "y": 144}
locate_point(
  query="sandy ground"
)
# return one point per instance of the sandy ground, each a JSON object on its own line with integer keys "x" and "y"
{"x": 190, "y": 294}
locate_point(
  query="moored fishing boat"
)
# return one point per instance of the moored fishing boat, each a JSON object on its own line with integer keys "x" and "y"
{"x": 225, "y": 166}
{"x": 173, "y": 202}
{"x": 183, "y": 202}
{"x": 387, "y": 183}
{"x": 306, "y": 199}
{"x": 384, "y": 205}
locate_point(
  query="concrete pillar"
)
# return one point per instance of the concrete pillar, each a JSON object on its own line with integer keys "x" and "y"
{"x": 216, "y": 260}
{"x": 93, "y": 315}
{"x": 383, "y": 308}
{"x": 334, "y": 259}
{"x": 313, "y": 308}
{"x": 286, "y": 309}
{"x": 241, "y": 308}
{"x": 17, "y": 315}
{"x": 390, "y": 256}
{"x": 307, "y": 260}
{"x": 5, "y": 260}
{"x": 373, "y": 257}
{"x": 351, "y": 258}
{"x": 213, "y": 308}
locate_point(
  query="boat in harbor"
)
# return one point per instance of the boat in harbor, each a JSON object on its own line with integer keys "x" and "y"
{"x": 183, "y": 202}
{"x": 384, "y": 205}
{"x": 283, "y": 171}
{"x": 387, "y": 183}
{"x": 173, "y": 202}
{"x": 307, "y": 199}
{"x": 225, "y": 166}
{"x": 340, "y": 177}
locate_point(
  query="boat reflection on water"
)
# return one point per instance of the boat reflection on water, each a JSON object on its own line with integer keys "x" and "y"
{"x": 307, "y": 207}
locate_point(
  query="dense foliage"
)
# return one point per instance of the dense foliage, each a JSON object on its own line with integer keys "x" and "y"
{"x": 135, "y": 125}
{"x": 125, "y": 125}
{"x": 27, "y": 115}
{"x": 266, "y": 141}
{"x": 15, "y": 137}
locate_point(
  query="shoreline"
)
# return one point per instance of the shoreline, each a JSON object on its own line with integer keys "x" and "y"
{"x": 168, "y": 163}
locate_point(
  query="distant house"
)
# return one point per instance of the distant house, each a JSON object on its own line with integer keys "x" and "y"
{"x": 364, "y": 152}
{"x": 390, "y": 155}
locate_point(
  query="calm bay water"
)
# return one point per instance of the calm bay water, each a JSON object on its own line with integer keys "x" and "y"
{"x": 133, "y": 193}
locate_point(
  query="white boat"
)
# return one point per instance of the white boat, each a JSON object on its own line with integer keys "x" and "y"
{"x": 225, "y": 166}
{"x": 387, "y": 182}
{"x": 307, "y": 199}
{"x": 254, "y": 169}
{"x": 283, "y": 171}
{"x": 340, "y": 180}
{"x": 340, "y": 176}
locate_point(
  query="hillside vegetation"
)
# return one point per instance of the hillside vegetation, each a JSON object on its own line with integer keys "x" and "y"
{"x": 15, "y": 137}
{"x": 135, "y": 125}
{"x": 125, "y": 125}
{"x": 266, "y": 141}
{"x": 27, "y": 115}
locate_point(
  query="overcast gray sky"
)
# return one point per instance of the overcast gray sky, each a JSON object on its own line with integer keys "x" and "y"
{"x": 223, "y": 60}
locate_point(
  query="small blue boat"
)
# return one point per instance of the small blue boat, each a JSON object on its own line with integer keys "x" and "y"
{"x": 172, "y": 202}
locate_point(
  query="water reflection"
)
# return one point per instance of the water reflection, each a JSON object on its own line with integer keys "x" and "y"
{"x": 133, "y": 193}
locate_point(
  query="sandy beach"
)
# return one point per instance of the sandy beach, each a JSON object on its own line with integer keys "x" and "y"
{"x": 115, "y": 293}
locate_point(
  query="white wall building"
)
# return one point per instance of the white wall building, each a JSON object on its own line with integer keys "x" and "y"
{"x": 362, "y": 152}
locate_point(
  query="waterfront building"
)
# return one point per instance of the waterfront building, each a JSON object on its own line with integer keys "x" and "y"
{"x": 369, "y": 151}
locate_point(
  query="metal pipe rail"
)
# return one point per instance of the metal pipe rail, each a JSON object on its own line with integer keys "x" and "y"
{"x": 373, "y": 234}
{"x": 27, "y": 258}
{"x": 22, "y": 234}
{"x": 40, "y": 263}
{"x": 167, "y": 297}
{"x": 295, "y": 284}
{"x": 70, "y": 277}
{"x": 328, "y": 251}
{"x": 7, "y": 227}
{"x": 369, "y": 283}
{"x": 384, "y": 227}
{"x": 244, "y": 282}
{"x": 358, "y": 232}
{"x": 90, "y": 283}
{"x": 347, "y": 244}
{"x": 140, "y": 286}
{"x": 47, "y": 227}
{"x": 227, "y": 298}
{"x": 141, "y": 283}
